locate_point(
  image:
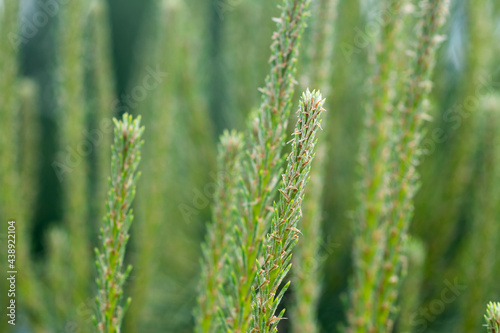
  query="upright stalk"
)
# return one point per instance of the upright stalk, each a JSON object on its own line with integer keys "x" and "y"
{"x": 30, "y": 286}
{"x": 373, "y": 187}
{"x": 125, "y": 157}
{"x": 9, "y": 112}
{"x": 410, "y": 300}
{"x": 492, "y": 317}
{"x": 479, "y": 249}
{"x": 100, "y": 96}
{"x": 72, "y": 164}
{"x": 406, "y": 152}
{"x": 261, "y": 164}
{"x": 284, "y": 232}
{"x": 216, "y": 245}
{"x": 307, "y": 268}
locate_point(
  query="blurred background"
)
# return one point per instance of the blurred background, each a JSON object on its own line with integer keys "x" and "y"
{"x": 192, "y": 69}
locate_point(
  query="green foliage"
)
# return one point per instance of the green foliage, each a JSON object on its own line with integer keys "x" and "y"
{"x": 444, "y": 205}
{"x": 493, "y": 317}
{"x": 54, "y": 290}
{"x": 30, "y": 287}
{"x": 374, "y": 199}
{"x": 484, "y": 228}
{"x": 389, "y": 156}
{"x": 307, "y": 265}
{"x": 73, "y": 177}
{"x": 284, "y": 233}
{"x": 413, "y": 276}
{"x": 262, "y": 163}
{"x": 9, "y": 179}
{"x": 194, "y": 72}
{"x": 100, "y": 95}
{"x": 407, "y": 149}
{"x": 172, "y": 206}
{"x": 239, "y": 55}
{"x": 125, "y": 157}
{"x": 217, "y": 243}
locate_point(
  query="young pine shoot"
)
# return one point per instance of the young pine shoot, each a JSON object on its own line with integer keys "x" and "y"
{"x": 284, "y": 232}
{"x": 262, "y": 163}
{"x": 493, "y": 317}
{"x": 125, "y": 157}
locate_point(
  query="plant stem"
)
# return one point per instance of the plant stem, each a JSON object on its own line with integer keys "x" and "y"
{"x": 493, "y": 317}
{"x": 410, "y": 300}
{"x": 405, "y": 154}
{"x": 100, "y": 97}
{"x": 307, "y": 268}
{"x": 284, "y": 233}
{"x": 125, "y": 159}
{"x": 373, "y": 188}
{"x": 483, "y": 232}
{"x": 216, "y": 245}
{"x": 262, "y": 163}
{"x": 72, "y": 171}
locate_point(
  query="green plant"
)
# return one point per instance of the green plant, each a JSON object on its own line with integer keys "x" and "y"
{"x": 413, "y": 276}
{"x": 262, "y": 164}
{"x": 238, "y": 56}
{"x": 209, "y": 56}
{"x": 217, "y": 246}
{"x": 171, "y": 207}
{"x": 100, "y": 96}
{"x": 374, "y": 186}
{"x": 73, "y": 175}
{"x": 405, "y": 155}
{"x": 483, "y": 227}
{"x": 9, "y": 179}
{"x": 493, "y": 317}
{"x": 153, "y": 203}
{"x": 284, "y": 233}
{"x": 307, "y": 269}
{"x": 443, "y": 206}
{"x": 125, "y": 159}
{"x": 390, "y": 179}
{"x": 30, "y": 286}
{"x": 19, "y": 135}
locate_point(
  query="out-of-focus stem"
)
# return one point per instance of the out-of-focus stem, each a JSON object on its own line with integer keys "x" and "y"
{"x": 479, "y": 251}
{"x": 217, "y": 245}
{"x": 72, "y": 164}
{"x": 374, "y": 186}
{"x": 266, "y": 136}
{"x": 284, "y": 232}
{"x": 306, "y": 271}
{"x": 410, "y": 299}
{"x": 406, "y": 152}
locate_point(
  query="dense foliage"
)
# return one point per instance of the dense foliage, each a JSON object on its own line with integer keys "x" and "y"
{"x": 391, "y": 227}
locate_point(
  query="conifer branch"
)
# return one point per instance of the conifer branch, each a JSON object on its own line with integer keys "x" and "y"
{"x": 389, "y": 183}
{"x": 125, "y": 157}
{"x": 492, "y": 317}
{"x": 405, "y": 155}
{"x": 71, "y": 99}
{"x": 102, "y": 93}
{"x": 373, "y": 188}
{"x": 262, "y": 163}
{"x": 284, "y": 232}
{"x": 217, "y": 240}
